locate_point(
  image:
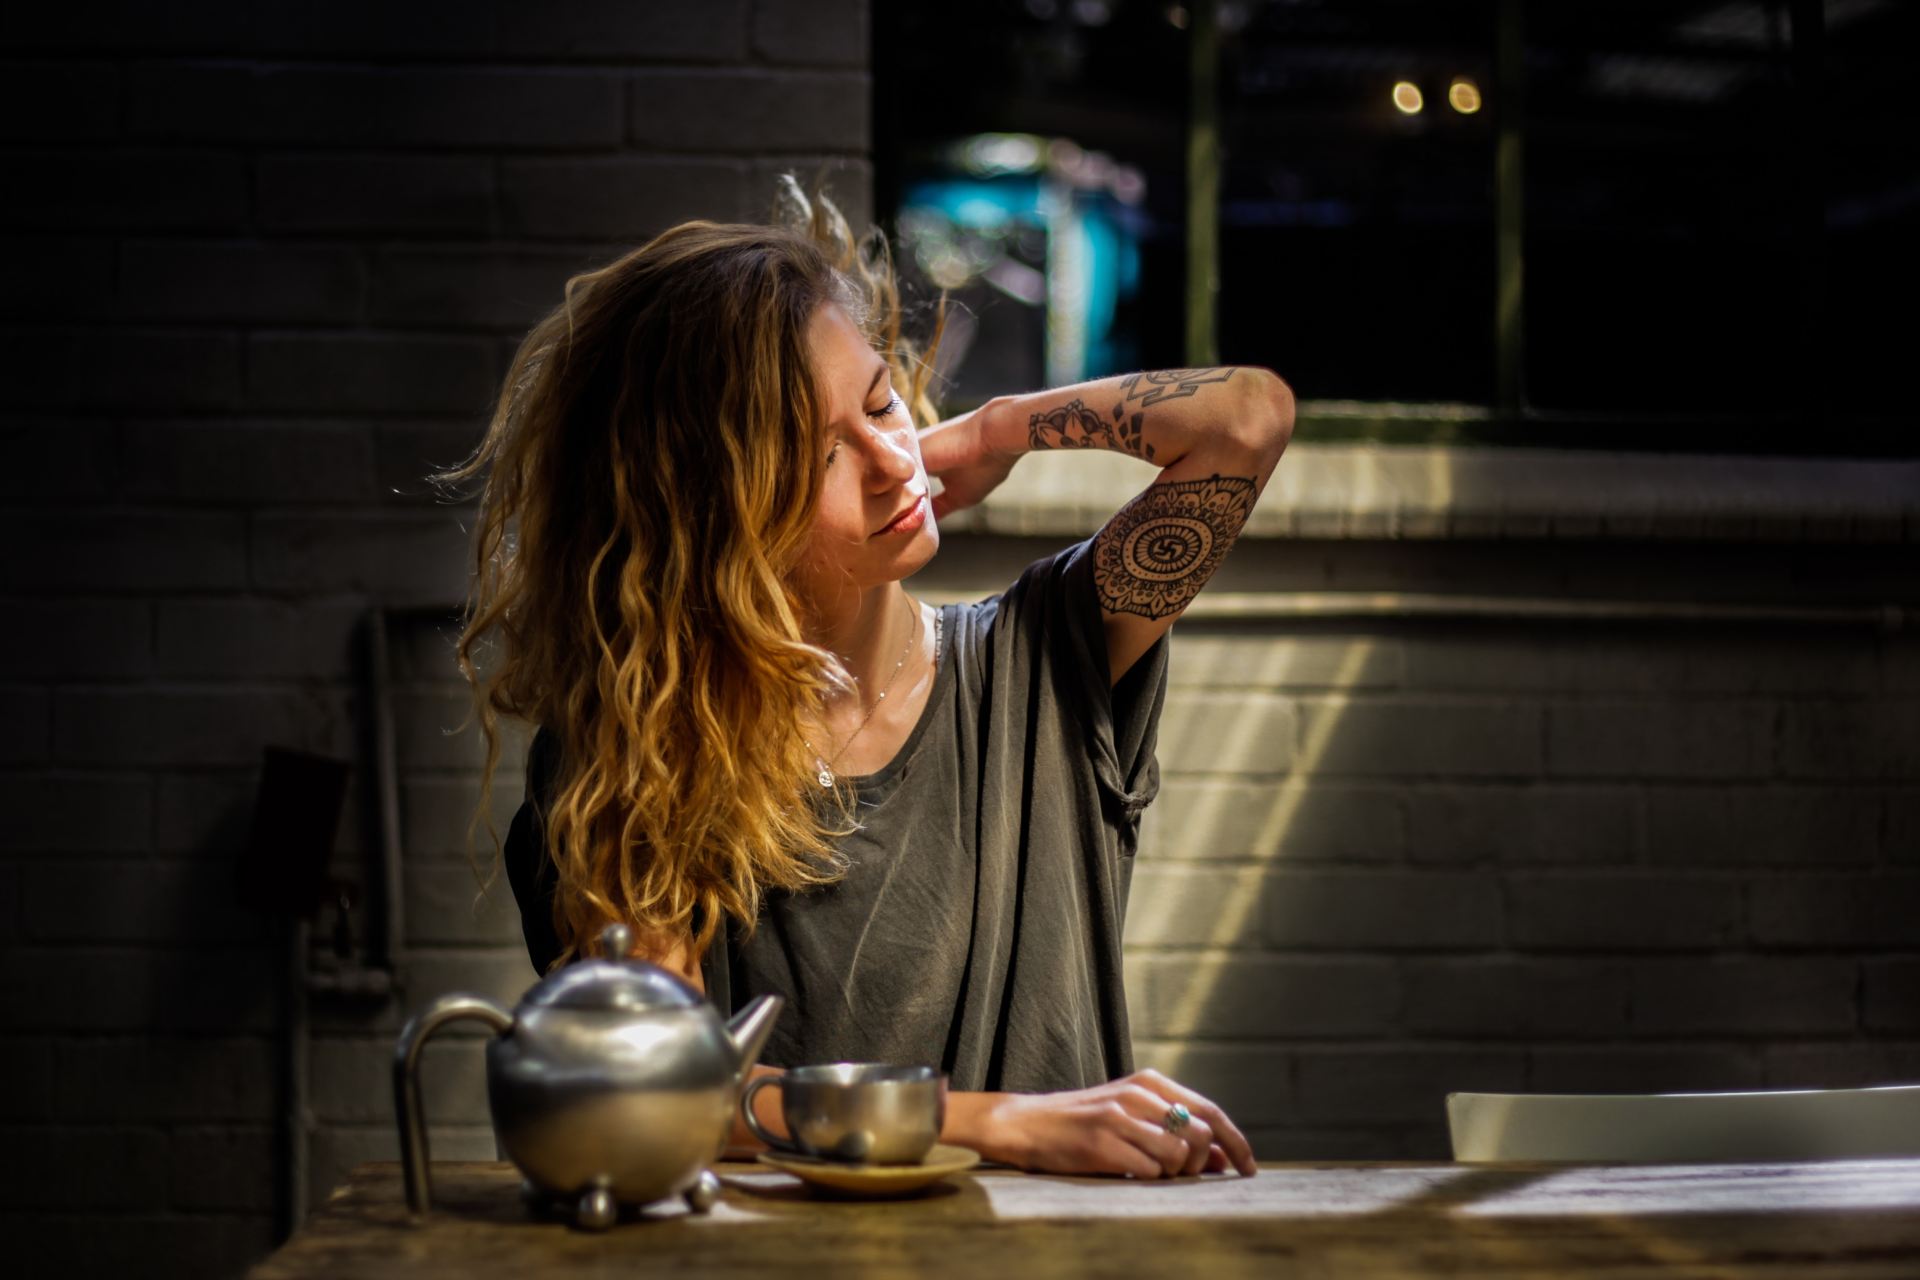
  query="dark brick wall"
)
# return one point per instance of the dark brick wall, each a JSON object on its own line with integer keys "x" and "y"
{"x": 265, "y": 264}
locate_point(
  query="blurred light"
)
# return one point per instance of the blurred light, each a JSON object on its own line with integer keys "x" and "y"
{"x": 990, "y": 153}
{"x": 980, "y": 214}
{"x": 993, "y": 155}
{"x": 946, "y": 268}
{"x": 1129, "y": 185}
{"x": 1740, "y": 23}
{"x": 1018, "y": 281}
{"x": 1464, "y": 95}
{"x": 1677, "y": 79}
{"x": 1749, "y": 24}
{"x": 1406, "y": 96}
{"x": 1177, "y": 16}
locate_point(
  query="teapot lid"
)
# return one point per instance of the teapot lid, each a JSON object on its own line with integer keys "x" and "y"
{"x": 614, "y": 983}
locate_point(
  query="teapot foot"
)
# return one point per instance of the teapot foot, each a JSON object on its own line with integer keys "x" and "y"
{"x": 596, "y": 1210}
{"x": 704, "y": 1191}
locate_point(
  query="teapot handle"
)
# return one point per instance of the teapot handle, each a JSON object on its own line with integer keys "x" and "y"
{"x": 406, "y": 1081}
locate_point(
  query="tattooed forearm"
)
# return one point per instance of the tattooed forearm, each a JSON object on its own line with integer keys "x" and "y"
{"x": 1159, "y": 550}
{"x": 1169, "y": 384}
{"x": 1075, "y": 426}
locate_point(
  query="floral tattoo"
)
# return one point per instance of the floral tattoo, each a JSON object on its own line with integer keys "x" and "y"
{"x": 1158, "y": 551}
{"x": 1074, "y": 426}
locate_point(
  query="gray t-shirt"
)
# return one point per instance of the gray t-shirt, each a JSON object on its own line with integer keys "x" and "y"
{"x": 978, "y": 926}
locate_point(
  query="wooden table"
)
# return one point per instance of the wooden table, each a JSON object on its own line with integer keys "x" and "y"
{"x": 1854, "y": 1218}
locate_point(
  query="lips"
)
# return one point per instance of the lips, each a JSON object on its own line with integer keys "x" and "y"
{"x": 906, "y": 514}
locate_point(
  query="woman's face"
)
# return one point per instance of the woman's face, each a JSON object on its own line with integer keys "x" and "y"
{"x": 874, "y": 473}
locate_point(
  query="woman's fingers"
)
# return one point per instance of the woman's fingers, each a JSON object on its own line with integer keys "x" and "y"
{"x": 1199, "y": 1137}
{"x": 1121, "y": 1128}
{"x": 1119, "y": 1153}
{"x": 1195, "y": 1137}
{"x": 1186, "y": 1152}
{"x": 1231, "y": 1139}
{"x": 1170, "y": 1153}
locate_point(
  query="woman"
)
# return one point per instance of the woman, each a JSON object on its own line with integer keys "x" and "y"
{"x": 757, "y": 748}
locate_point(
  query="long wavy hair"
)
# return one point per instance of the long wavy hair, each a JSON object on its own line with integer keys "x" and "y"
{"x": 653, "y": 466}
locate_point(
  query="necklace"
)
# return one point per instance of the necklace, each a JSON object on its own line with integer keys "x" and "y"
{"x": 825, "y": 776}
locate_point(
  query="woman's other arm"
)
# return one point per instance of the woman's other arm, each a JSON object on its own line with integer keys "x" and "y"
{"x": 1117, "y": 1127}
{"x": 1111, "y": 1128}
{"x": 1114, "y": 1128}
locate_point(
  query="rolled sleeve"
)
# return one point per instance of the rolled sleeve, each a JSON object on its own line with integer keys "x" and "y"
{"x": 1122, "y": 721}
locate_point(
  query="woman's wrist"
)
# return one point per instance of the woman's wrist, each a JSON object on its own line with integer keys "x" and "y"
{"x": 977, "y": 1119}
{"x": 1001, "y": 429}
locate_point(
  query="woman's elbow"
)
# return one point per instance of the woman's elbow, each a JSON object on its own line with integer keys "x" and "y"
{"x": 1271, "y": 423}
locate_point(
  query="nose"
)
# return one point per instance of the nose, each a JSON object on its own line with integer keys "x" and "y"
{"x": 894, "y": 459}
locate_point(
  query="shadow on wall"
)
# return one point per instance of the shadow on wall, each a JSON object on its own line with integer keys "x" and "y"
{"x": 1502, "y": 857}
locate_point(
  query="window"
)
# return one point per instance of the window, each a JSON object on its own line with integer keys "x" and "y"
{"x": 1649, "y": 224}
{"x": 1357, "y": 224}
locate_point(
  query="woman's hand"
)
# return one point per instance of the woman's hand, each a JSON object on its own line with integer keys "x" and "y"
{"x": 1117, "y": 1127}
{"x": 969, "y": 460}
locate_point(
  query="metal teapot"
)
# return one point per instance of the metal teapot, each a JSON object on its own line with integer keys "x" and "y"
{"x": 612, "y": 1082}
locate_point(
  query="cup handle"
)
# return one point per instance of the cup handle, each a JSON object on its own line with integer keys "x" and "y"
{"x": 753, "y": 1122}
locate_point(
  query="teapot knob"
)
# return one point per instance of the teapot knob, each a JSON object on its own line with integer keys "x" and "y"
{"x": 616, "y": 940}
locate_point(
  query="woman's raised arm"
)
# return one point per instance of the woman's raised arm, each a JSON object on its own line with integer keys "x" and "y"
{"x": 1216, "y": 434}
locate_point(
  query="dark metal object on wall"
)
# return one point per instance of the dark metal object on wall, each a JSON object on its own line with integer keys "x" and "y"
{"x": 282, "y": 869}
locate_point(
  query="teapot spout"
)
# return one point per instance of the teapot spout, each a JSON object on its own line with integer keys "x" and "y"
{"x": 749, "y": 1029}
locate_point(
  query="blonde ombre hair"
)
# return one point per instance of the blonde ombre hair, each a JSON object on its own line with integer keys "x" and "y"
{"x": 653, "y": 467}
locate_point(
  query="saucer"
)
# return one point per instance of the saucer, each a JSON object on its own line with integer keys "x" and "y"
{"x": 839, "y": 1177}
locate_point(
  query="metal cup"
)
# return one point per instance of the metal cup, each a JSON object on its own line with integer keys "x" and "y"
{"x": 855, "y": 1112}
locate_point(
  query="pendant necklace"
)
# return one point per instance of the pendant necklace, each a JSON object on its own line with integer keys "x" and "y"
{"x": 825, "y": 776}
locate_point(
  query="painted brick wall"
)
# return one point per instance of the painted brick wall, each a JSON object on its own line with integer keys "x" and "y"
{"x": 263, "y": 270}
{"x": 264, "y": 266}
{"x": 1395, "y": 862}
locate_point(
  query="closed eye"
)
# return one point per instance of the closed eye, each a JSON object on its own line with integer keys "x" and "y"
{"x": 885, "y": 411}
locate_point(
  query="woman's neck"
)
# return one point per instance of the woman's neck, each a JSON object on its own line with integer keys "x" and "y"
{"x": 869, "y": 631}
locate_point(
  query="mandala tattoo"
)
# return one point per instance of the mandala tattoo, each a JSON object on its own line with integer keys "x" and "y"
{"x": 1158, "y": 551}
{"x": 1170, "y": 384}
{"x": 1074, "y": 426}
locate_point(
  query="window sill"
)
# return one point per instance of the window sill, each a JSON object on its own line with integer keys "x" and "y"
{"x": 1370, "y": 491}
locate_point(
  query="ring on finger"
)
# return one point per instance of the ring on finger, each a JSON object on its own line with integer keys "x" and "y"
{"x": 1177, "y": 1118}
